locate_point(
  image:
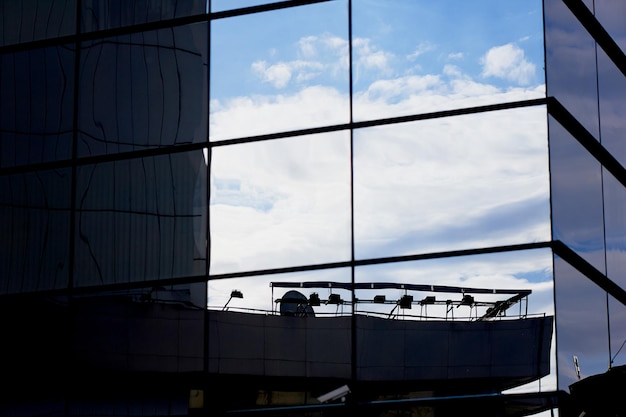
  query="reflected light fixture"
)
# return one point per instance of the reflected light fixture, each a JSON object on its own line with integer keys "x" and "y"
{"x": 379, "y": 299}
{"x": 314, "y": 299}
{"x": 233, "y": 294}
{"x": 405, "y": 301}
{"x": 335, "y": 299}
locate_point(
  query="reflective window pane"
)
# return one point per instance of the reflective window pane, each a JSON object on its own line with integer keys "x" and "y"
{"x": 141, "y": 219}
{"x": 577, "y": 206}
{"x": 611, "y": 91}
{"x": 221, "y": 5}
{"x": 36, "y": 20}
{"x": 581, "y": 325}
{"x": 452, "y": 183}
{"x": 413, "y": 56}
{"x": 279, "y": 70}
{"x": 108, "y": 14}
{"x": 143, "y": 90}
{"x": 571, "y": 64}
{"x": 280, "y": 203}
{"x": 36, "y": 105}
{"x": 34, "y": 231}
{"x": 611, "y": 14}
{"x": 439, "y": 320}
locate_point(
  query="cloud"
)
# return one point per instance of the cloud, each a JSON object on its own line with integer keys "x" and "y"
{"x": 508, "y": 62}
{"x": 422, "y": 48}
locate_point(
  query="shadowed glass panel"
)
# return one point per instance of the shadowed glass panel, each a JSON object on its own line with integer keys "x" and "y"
{"x": 451, "y": 183}
{"x": 143, "y": 90}
{"x": 141, "y": 219}
{"x": 612, "y": 90}
{"x": 571, "y": 74}
{"x": 108, "y": 14}
{"x": 611, "y": 14}
{"x": 279, "y": 70}
{"x": 280, "y": 203}
{"x": 445, "y": 320}
{"x": 582, "y": 322}
{"x": 577, "y": 207}
{"x": 34, "y": 231}
{"x": 36, "y": 105}
{"x": 420, "y": 56}
{"x": 27, "y": 21}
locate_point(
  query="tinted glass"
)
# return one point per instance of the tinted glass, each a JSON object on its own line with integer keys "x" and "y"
{"x": 143, "y": 90}
{"x": 571, "y": 64}
{"x": 581, "y": 325}
{"x": 611, "y": 14}
{"x": 438, "y": 288}
{"x": 413, "y": 56}
{"x": 221, "y": 5}
{"x": 280, "y": 203}
{"x": 577, "y": 207}
{"x": 279, "y": 70}
{"x": 35, "y": 20}
{"x": 36, "y": 105}
{"x": 141, "y": 219}
{"x": 108, "y": 14}
{"x": 34, "y": 231}
{"x": 451, "y": 183}
{"x": 612, "y": 90}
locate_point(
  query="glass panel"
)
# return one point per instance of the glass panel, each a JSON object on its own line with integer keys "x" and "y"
{"x": 612, "y": 90}
{"x": 577, "y": 208}
{"x": 33, "y": 355}
{"x": 155, "y": 329}
{"x": 265, "y": 330}
{"x": 570, "y": 64}
{"x": 581, "y": 325}
{"x": 279, "y": 70}
{"x": 445, "y": 320}
{"x": 141, "y": 219}
{"x": 143, "y": 90}
{"x": 451, "y": 183}
{"x": 280, "y": 203}
{"x": 34, "y": 231}
{"x": 108, "y": 14}
{"x": 36, "y": 105}
{"x": 617, "y": 322}
{"x": 35, "y": 20}
{"x": 615, "y": 228}
{"x": 611, "y": 14}
{"x": 413, "y": 56}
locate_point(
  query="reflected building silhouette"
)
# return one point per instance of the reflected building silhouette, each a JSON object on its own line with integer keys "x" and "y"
{"x": 156, "y": 155}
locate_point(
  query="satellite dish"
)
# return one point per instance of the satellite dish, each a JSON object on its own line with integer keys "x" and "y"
{"x": 295, "y": 304}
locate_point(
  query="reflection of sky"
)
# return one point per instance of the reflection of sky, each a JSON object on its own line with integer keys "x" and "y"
{"x": 453, "y": 183}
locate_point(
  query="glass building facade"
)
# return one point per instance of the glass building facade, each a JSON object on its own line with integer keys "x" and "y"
{"x": 163, "y": 162}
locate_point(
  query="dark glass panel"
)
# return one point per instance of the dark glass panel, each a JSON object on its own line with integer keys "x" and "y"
{"x": 280, "y": 203}
{"x": 420, "y": 56}
{"x": 36, "y": 105}
{"x": 615, "y": 228}
{"x": 612, "y": 15}
{"x": 108, "y": 14}
{"x": 34, "y": 231}
{"x": 141, "y": 219}
{"x": 279, "y": 70}
{"x": 571, "y": 64}
{"x": 612, "y": 90}
{"x": 156, "y": 330}
{"x": 143, "y": 90}
{"x": 26, "y": 21}
{"x": 581, "y": 325}
{"x": 617, "y": 323}
{"x": 266, "y": 329}
{"x": 451, "y": 183}
{"x": 445, "y": 337}
{"x": 577, "y": 208}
